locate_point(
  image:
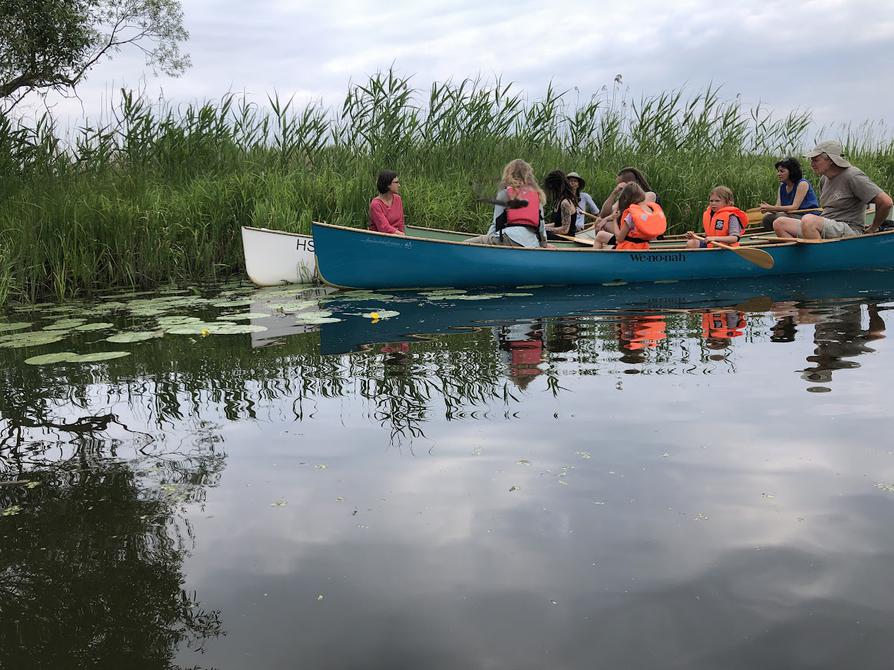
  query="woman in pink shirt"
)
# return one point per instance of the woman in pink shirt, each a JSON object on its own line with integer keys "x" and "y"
{"x": 386, "y": 211}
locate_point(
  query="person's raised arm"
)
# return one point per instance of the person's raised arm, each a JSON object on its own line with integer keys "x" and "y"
{"x": 610, "y": 200}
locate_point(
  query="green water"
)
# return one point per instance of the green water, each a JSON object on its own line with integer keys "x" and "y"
{"x": 674, "y": 476}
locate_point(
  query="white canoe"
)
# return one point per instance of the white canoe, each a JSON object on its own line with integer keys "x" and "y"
{"x": 273, "y": 257}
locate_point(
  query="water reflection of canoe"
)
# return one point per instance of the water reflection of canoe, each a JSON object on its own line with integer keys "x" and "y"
{"x": 274, "y": 257}
{"x": 348, "y": 257}
{"x": 419, "y": 316}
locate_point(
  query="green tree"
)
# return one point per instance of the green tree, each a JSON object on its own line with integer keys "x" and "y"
{"x": 52, "y": 44}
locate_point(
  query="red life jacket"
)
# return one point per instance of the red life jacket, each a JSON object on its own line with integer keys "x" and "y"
{"x": 524, "y": 216}
{"x": 719, "y": 325}
{"x": 645, "y": 225}
{"x": 717, "y": 224}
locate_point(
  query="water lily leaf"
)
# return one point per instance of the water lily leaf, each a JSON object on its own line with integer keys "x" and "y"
{"x": 14, "y": 325}
{"x": 233, "y": 303}
{"x": 216, "y": 328}
{"x": 135, "y": 336}
{"x": 318, "y": 314}
{"x": 295, "y": 306}
{"x": 480, "y": 296}
{"x": 240, "y": 317}
{"x": 49, "y": 359}
{"x": 615, "y": 283}
{"x": 87, "y": 327}
{"x": 380, "y": 314}
{"x": 165, "y": 321}
{"x": 30, "y": 339}
{"x": 316, "y": 321}
{"x": 66, "y": 324}
{"x": 98, "y": 356}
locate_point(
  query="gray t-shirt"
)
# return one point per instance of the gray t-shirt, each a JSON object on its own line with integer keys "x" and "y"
{"x": 844, "y": 197}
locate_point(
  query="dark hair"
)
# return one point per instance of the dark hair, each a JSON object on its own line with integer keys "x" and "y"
{"x": 794, "y": 169}
{"x": 557, "y": 187}
{"x": 638, "y": 177}
{"x": 630, "y": 194}
{"x": 383, "y": 181}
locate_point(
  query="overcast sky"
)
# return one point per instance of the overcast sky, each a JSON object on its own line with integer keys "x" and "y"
{"x": 833, "y": 57}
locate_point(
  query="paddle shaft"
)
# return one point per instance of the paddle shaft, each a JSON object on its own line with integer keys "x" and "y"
{"x": 757, "y": 256}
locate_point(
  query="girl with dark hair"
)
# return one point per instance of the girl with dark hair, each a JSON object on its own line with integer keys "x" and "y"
{"x": 564, "y": 199}
{"x": 386, "y": 210}
{"x": 795, "y": 193}
{"x": 628, "y": 175}
{"x": 638, "y": 221}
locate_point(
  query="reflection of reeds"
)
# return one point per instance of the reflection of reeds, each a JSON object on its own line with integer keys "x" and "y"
{"x": 158, "y": 193}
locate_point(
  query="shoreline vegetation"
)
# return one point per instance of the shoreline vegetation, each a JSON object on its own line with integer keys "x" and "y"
{"x": 156, "y": 195}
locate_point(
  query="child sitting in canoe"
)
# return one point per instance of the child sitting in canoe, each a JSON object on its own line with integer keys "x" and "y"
{"x": 639, "y": 220}
{"x": 722, "y": 220}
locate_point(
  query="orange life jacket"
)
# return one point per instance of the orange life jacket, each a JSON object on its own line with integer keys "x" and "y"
{"x": 719, "y": 325}
{"x": 645, "y": 225}
{"x": 528, "y": 215}
{"x": 642, "y": 332}
{"x": 717, "y": 224}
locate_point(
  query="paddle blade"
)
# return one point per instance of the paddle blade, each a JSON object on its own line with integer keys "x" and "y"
{"x": 757, "y": 256}
{"x": 512, "y": 203}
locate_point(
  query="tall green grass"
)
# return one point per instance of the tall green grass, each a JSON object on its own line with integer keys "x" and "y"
{"x": 158, "y": 193}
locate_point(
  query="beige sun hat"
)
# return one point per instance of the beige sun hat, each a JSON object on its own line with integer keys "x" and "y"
{"x": 833, "y": 149}
{"x": 575, "y": 175}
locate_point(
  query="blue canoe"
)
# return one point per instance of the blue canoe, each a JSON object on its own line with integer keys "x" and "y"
{"x": 353, "y": 258}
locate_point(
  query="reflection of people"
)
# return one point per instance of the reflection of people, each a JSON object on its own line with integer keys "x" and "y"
{"x": 522, "y": 346}
{"x": 795, "y": 193}
{"x": 386, "y": 210}
{"x": 585, "y": 202}
{"x": 719, "y": 327}
{"x": 844, "y": 193}
{"x": 638, "y": 333}
{"x": 519, "y": 226}
{"x": 722, "y": 220}
{"x": 839, "y": 336}
{"x": 563, "y": 334}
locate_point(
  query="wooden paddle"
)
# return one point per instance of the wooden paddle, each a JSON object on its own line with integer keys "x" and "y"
{"x": 757, "y": 256}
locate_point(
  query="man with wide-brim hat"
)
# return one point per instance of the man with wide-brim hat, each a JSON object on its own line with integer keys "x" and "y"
{"x": 585, "y": 202}
{"x": 844, "y": 193}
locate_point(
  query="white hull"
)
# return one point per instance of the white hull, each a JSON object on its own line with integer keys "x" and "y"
{"x": 273, "y": 257}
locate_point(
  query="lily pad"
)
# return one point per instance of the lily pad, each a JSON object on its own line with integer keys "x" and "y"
{"x": 48, "y": 359}
{"x": 233, "y": 303}
{"x": 319, "y": 314}
{"x": 380, "y": 314}
{"x": 166, "y": 321}
{"x": 30, "y": 339}
{"x": 240, "y": 317}
{"x": 14, "y": 325}
{"x": 217, "y": 328}
{"x": 135, "y": 336}
{"x": 614, "y": 283}
{"x": 71, "y": 357}
{"x": 316, "y": 321}
{"x": 294, "y": 306}
{"x": 87, "y": 327}
{"x": 66, "y": 324}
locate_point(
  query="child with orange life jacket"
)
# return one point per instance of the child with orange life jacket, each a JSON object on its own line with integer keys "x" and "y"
{"x": 640, "y": 220}
{"x": 721, "y": 221}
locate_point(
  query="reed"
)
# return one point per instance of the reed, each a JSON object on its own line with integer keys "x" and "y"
{"x": 156, "y": 194}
